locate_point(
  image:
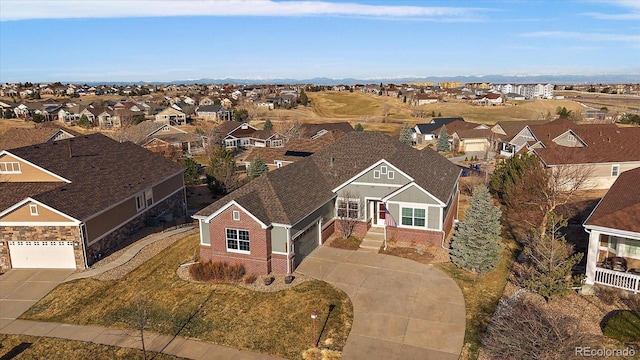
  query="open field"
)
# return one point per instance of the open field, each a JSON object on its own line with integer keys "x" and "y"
{"x": 274, "y": 323}
{"x": 613, "y": 103}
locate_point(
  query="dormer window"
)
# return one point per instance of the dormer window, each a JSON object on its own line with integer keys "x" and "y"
{"x": 12, "y": 167}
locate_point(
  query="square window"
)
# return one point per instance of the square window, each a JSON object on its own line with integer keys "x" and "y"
{"x": 237, "y": 240}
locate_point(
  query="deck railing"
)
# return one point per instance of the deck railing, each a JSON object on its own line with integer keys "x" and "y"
{"x": 618, "y": 279}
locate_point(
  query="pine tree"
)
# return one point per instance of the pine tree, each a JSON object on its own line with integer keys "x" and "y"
{"x": 358, "y": 127}
{"x": 257, "y": 168}
{"x": 476, "y": 243}
{"x": 405, "y": 135}
{"x": 268, "y": 126}
{"x": 443, "y": 140}
{"x": 221, "y": 172}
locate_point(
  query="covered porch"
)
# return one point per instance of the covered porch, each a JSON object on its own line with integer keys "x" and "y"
{"x": 614, "y": 260}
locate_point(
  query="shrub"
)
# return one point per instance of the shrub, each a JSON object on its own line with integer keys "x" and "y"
{"x": 623, "y": 326}
{"x": 350, "y": 243}
{"x": 250, "y": 279}
{"x": 217, "y": 271}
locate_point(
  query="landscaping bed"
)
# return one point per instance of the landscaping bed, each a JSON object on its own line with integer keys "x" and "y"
{"x": 273, "y": 323}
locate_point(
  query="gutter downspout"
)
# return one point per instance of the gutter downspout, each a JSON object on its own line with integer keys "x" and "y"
{"x": 83, "y": 235}
{"x": 288, "y": 251}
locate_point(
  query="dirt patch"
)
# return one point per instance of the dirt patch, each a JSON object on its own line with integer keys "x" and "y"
{"x": 419, "y": 253}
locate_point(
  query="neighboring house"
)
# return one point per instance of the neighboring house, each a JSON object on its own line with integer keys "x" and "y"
{"x": 214, "y": 113}
{"x": 19, "y": 137}
{"x": 239, "y": 135}
{"x": 424, "y": 99}
{"x": 171, "y": 116}
{"x": 161, "y": 137}
{"x": 477, "y": 139}
{"x": 488, "y": 99}
{"x": 68, "y": 203}
{"x": 604, "y": 150}
{"x": 513, "y": 136}
{"x": 613, "y": 257}
{"x": 425, "y": 132}
{"x": 273, "y": 222}
{"x": 312, "y": 131}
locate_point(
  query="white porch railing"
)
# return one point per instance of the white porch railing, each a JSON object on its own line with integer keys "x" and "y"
{"x": 618, "y": 279}
{"x": 506, "y": 153}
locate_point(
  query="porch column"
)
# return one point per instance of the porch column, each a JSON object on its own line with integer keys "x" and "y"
{"x": 592, "y": 256}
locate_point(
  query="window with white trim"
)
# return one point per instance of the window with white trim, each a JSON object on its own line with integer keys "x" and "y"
{"x": 391, "y": 175}
{"x": 276, "y": 143}
{"x": 237, "y": 240}
{"x": 140, "y": 204}
{"x": 10, "y": 167}
{"x": 348, "y": 208}
{"x": 615, "y": 170}
{"x": 148, "y": 196}
{"x": 414, "y": 217}
{"x": 236, "y": 215}
{"x": 33, "y": 210}
{"x": 376, "y": 174}
{"x": 383, "y": 170}
{"x": 613, "y": 242}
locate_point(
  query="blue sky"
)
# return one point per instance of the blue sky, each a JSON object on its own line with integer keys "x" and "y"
{"x": 130, "y": 40}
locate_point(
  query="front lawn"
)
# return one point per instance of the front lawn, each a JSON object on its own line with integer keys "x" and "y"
{"x": 31, "y": 347}
{"x": 274, "y": 323}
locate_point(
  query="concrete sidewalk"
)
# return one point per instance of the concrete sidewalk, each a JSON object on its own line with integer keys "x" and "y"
{"x": 177, "y": 346}
{"x": 131, "y": 252}
{"x": 402, "y": 309}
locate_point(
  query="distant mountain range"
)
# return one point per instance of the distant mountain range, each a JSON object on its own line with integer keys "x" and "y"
{"x": 498, "y": 79}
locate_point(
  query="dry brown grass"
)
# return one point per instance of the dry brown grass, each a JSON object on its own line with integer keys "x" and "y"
{"x": 52, "y": 348}
{"x": 273, "y": 323}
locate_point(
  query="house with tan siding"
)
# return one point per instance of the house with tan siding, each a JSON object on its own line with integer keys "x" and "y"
{"x": 68, "y": 203}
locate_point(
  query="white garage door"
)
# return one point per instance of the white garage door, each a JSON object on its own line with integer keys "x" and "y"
{"x": 474, "y": 146}
{"x": 42, "y": 254}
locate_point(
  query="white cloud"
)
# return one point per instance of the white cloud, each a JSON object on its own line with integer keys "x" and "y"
{"x": 583, "y": 36}
{"x": 65, "y": 9}
{"x": 633, "y": 6}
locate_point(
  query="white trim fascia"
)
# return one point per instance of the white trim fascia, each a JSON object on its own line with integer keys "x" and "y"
{"x": 5, "y": 152}
{"x": 279, "y": 253}
{"x": 137, "y": 193}
{"x": 153, "y": 139}
{"x": 200, "y": 228}
{"x": 375, "y": 184}
{"x": 37, "y": 223}
{"x": 405, "y": 187}
{"x": 614, "y": 232}
{"x": 368, "y": 169}
{"x": 163, "y": 125}
{"x": 228, "y": 205}
{"x": 571, "y": 133}
{"x": 240, "y": 126}
{"x": 30, "y": 199}
{"x": 281, "y": 225}
{"x": 138, "y": 213}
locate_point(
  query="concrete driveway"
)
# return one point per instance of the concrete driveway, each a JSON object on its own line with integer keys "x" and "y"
{"x": 402, "y": 309}
{"x": 21, "y": 288}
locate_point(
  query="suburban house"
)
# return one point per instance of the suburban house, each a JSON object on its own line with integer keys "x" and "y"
{"x": 273, "y": 222}
{"x": 171, "y": 116}
{"x": 159, "y": 137}
{"x": 214, "y": 113}
{"x": 513, "y": 136}
{"x": 426, "y": 132}
{"x": 237, "y": 135}
{"x": 19, "y": 137}
{"x": 423, "y": 99}
{"x": 466, "y": 136}
{"x": 613, "y": 257}
{"x": 312, "y": 131}
{"x": 68, "y": 203}
{"x": 604, "y": 150}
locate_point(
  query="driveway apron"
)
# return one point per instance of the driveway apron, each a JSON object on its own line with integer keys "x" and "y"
{"x": 402, "y": 309}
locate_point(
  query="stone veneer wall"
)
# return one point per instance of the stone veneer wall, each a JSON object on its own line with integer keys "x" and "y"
{"x": 122, "y": 236}
{"x": 39, "y": 233}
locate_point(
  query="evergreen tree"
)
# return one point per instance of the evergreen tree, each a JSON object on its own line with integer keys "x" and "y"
{"x": 549, "y": 259}
{"x": 221, "y": 173}
{"x": 84, "y": 122}
{"x": 405, "y": 135}
{"x": 303, "y": 99}
{"x": 268, "y": 126}
{"x": 476, "y": 244}
{"x": 257, "y": 168}
{"x": 191, "y": 175}
{"x": 443, "y": 140}
{"x": 358, "y": 127}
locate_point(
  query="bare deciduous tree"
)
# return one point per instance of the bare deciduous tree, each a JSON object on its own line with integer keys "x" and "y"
{"x": 348, "y": 211}
{"x": 526, "y": 330}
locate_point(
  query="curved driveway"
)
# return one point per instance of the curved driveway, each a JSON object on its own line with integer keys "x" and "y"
{"x": 402, "y": 309}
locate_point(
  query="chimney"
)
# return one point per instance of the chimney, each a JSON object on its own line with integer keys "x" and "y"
{"x": 70, "y": 151}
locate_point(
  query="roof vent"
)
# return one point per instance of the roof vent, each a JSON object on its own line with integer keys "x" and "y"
{"x": 332, "y": 160}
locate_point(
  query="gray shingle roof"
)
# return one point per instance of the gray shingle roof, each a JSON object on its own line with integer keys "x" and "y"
{"x": 290, "y": 193}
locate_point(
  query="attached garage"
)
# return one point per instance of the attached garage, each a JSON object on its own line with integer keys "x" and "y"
{"x": 474, "y": 145}
{"x": 42, "y": 255}
{"x": 306, "y": 242}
